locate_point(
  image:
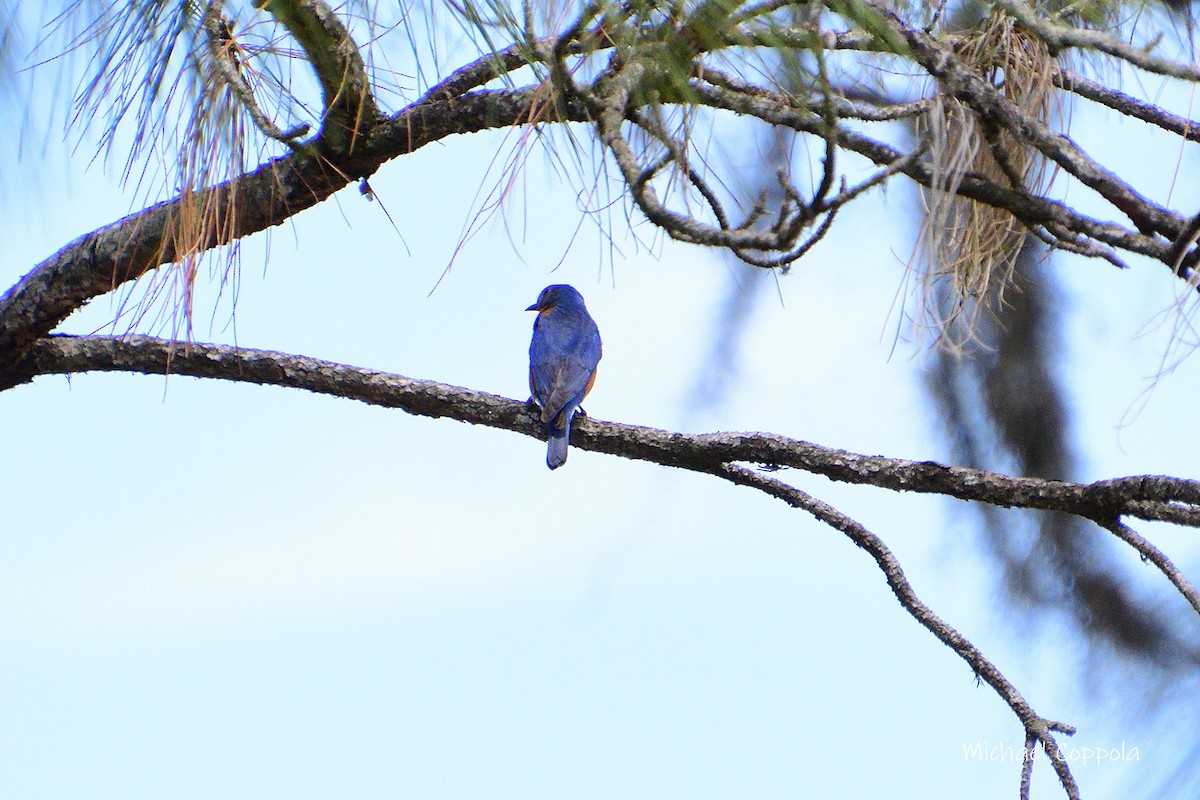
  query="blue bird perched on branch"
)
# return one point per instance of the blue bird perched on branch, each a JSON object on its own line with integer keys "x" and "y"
{"x": 562, "y": 363}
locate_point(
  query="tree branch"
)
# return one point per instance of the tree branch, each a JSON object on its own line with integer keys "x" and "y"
{"x": 222, "y": 49}
{"x": 1036, "y": 726}
{"x": 1060, "y": 37}
{"x": 1030, "y": 208}
{"x": 350, "y": 109}
{"x": 1127, "y": 106}
{"x": 108, "y": 257}
{"x": 1157, "y": 557}
{"x": 1148, "y": 497}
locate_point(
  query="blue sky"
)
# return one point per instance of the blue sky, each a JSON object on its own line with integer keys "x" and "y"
{"x": 210, "y": 590}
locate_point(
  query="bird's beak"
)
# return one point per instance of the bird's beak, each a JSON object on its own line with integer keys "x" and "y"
{"x": 534, "y": 307}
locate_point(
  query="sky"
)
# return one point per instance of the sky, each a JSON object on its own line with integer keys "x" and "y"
{"x": 218, "y": 590}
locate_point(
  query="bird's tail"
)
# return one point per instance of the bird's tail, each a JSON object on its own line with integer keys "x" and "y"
{"x": 556, "y": 442}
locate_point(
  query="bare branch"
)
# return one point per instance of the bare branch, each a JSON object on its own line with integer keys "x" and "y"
{"x": 350, "y": 108}
{"x": 477, "y": 73}
{"x": 829, "y": 117}
{"x": 785, "y": 261}
{"x": 1061, "y": 37}
{"x": 901, "y": 164}
{"x": 1036, "y": 727}
{"x": 1147, "y": 497}
{"x": 803, "y": 38}
{"x": 611, "y": 102}
{"x": 1056, "y": 237}
{"x": 677, "y": 154}
{"x": 1126, "y": 105}
{"x": 1024, "y": 205}
{"x": 1027, "y": 766}
{"x": 1157, "y": 557}
{"x": 842, "y": 107}
{"x": 222, "y": 49}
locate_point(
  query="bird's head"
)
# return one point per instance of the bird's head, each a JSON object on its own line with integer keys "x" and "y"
{"x": 559, "y": 295}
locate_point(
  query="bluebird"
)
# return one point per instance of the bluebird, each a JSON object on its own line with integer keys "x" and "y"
{"x": 562, "y": 363}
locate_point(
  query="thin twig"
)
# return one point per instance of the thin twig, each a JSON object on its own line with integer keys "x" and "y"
{"x": 1060, "y": 37}
{"x": 1156, "y": 557}
{"x": 1126, "y": 105}
{"x": 1056, "y": 237}
{"x": 479, "y": 72}
{"x": 1027, "y": 765}
{"x": 1036, "y": 726}
{"x": 1024, "y": 205}
{"x": 350, "y": 109}
{"x": 677, "y": 154}
{"x": 222, "y": 47}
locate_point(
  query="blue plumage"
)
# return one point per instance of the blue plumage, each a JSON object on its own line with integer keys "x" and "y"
{"x": 563, "y": 357}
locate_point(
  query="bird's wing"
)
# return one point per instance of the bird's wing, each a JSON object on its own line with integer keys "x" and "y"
{"x": 562, "y": 358}
{"x": 567, "y": 389}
